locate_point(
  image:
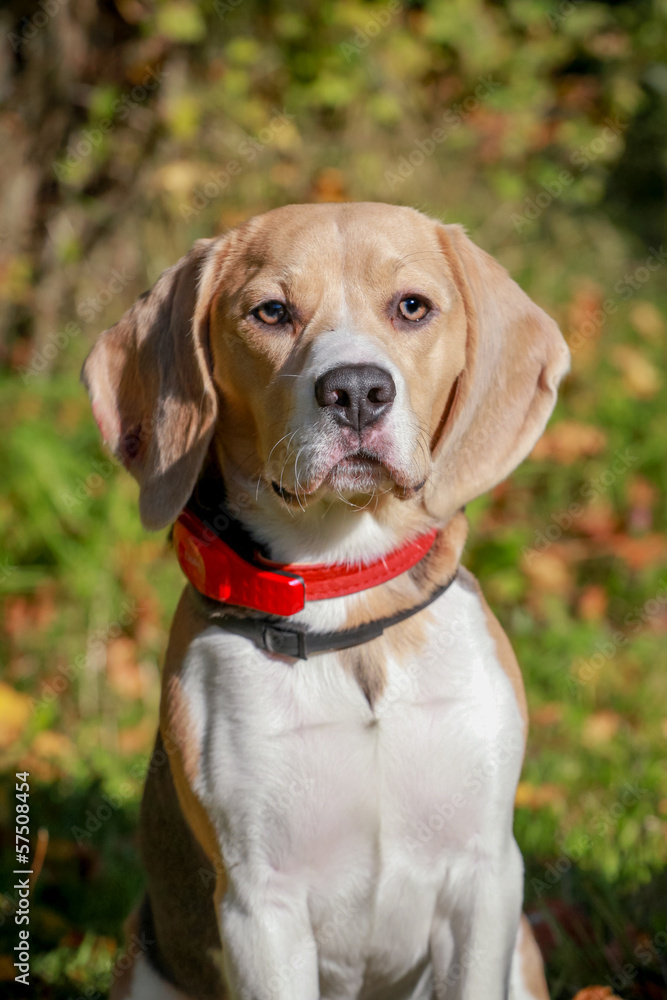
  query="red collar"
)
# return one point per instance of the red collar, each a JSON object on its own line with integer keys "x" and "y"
{"x": 218, "y": 571}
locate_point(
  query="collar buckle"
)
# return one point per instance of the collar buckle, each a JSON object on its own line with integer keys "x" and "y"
{"x": 288, "y": 641}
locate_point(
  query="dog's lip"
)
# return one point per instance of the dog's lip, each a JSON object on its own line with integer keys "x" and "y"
{"x": 360, "y": 460}
{"x": 283, "y": 493}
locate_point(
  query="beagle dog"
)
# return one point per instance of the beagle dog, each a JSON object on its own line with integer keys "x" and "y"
{"x": 313, "y": 398}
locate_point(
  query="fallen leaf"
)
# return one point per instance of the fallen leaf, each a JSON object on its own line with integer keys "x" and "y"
{"x": 7, "y": 970}
{"x": 641, "y": 496}
{"x": 41, "y": 769}
{"x": 137, "y": 739}
{"x": 649, "y": 550}
{"x": 592, "y": 604}
{"x": 530, "y": 796}
{"x": 647, "y": 320}
{"x": 547, "y": 715}
{"x": 596, "y": 993}
{"x": 34, "y": 614}
{"x": 569, "y": 441}
{"x": 15, "y": 713}
{"x": 329, "y": 185}
{"x": 547, "y": 571}
{"x": 599, "y": 728}
{"x": 598, "y": 520}
{"x": 584, "y": 309}
{"x": 640, "y": 377}
{"x": 179, "y": 177}
{"x": 52, "y": 745}
{"x": 124, "y": 673}
{"x": 641, "y": 492}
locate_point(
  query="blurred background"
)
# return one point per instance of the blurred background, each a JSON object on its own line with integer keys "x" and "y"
{"x": 129, "y": 129}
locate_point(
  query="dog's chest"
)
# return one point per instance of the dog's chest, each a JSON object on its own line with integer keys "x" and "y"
{"x": 359, "y": 809}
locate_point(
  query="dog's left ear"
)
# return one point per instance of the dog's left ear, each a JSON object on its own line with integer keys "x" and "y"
{"x": 500, "y": 403}
{"x": 149, "y": 381}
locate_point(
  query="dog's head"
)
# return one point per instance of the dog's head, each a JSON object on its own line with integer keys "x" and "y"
{"x": 324, "y": 353}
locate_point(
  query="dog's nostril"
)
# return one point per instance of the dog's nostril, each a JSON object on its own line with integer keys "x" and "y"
{"x": 381, "y": 394}
{"x": 357, "y": 394}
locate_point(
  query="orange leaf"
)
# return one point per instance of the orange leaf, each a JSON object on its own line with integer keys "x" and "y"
{"x": 648, "y": 550}
{"x": 547, "y": 715}
{"x": 592, "y": 604}
{"x": 52, "y": 745}
{"x": 547, "y": 571}
{"x": 329, "y": 185}
{"x": 569, "y": 441}
{"x": 15, "y": 712}
{"x": 7, "y": 969}
{"x": 647, "y": 320}
{"x": 538, "y": 796}
{"x": 599, "y": 728}
{"x": 585, "y": 306}
{"x": 640, "y": 377}
{"x": 597, "y": 520}
{"x": 642, "y": 496}
{"x": 137, "y": 739}
{"x": 124, "y": 674}
{"x": 596, "y": 993}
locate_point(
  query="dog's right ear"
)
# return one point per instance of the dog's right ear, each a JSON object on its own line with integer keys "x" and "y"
{"x": 150, "y": 384}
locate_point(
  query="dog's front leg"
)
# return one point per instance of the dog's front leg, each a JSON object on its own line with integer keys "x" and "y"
{"x": 268, "y": 946}
{"x": 473, "y": 941}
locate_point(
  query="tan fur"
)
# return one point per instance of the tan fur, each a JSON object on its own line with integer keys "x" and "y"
{"x": 485, "y": 373}
{"x": 515, "y": 358}
{"x": 151, "y": 390}
{"x": 532, "y": 967}
{"x": 177, "y": 729}
{"x": 367, "y": 662}
{"x": 186, "y": 376}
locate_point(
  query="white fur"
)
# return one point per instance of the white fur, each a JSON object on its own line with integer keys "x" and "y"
{"x": 518, "y": 988}
{"x": 364, "y": 848}
{"x": 313, "y": 444}
{"x": 147, "y": 984}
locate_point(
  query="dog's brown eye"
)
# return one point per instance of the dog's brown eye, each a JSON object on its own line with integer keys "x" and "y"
{"x": 272, "y": 313}
{"x": 413, "y": 308}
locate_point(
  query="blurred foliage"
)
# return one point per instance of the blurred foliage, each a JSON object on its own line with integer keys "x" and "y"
{"x": 128, "y": 130}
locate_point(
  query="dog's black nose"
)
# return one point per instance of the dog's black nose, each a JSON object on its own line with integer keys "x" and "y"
{"x": 356, "y": 394}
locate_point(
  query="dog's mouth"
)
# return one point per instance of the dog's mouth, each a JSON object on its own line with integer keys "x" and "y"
{"x": 359, "y": 474}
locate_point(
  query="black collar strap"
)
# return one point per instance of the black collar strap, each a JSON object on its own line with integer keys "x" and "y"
{"x": 273, "y": 636}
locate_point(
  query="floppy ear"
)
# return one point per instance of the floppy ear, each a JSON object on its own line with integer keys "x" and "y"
{"x": 503, "y": 397}
{"x": 152, "y": 394}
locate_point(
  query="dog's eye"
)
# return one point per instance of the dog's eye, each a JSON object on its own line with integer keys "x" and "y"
{"x": 272, "y": 313}
{"x": 413, "y": 308}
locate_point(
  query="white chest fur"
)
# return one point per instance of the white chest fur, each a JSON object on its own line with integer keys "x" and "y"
{"x": 369, "y": 852}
